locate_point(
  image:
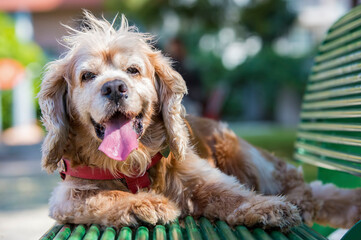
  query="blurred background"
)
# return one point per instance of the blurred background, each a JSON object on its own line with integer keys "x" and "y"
{"x": 245, "y": 62}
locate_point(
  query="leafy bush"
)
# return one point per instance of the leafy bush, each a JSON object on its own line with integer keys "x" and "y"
{"x": 29, "y": 54}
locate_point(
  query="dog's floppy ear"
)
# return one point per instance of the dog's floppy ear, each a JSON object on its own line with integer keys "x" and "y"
{"x": 52, "y": 101}
{"x": 171, "y": 89}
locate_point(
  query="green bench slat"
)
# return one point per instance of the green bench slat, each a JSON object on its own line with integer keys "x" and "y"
{"x": 340, "y": 41}
{"x": 202, "y": 229}
{"x": 125, "y": 234}
{"x": 334, "y": 82}
{"x": 243, "y": 233}
{"x": 339, "y": 103}
{"x": 312, "y": 232}
{"x": 78, "y": 233}
{"x": 63, "y": 233}
{"x": 337, "y": 62}
{"x": 330, "y": 127}
{"x": 335, "y": 72}
{"x": 278, "y": 235}
{"x": 327, "y": 94}
{"x": 142, "y": 233}
{"x": 293, "y": 236}
{"x": 108, "y": 234}
{"x": 175, "y": 231}
{"x": 338, "y": 32}
{"x": 93, "y": 233}
{"x": 207, "y": 229}
{"x": 339, "y": 114}
{"x": 345, "y": 49}
{"x": 259, "y": 234}
{"x": 327, "y": 163}
{"x": 321, "y": 151}
{"x": 328, "y": 138}
{"x": 51, "y": 233}
{"x": 225, "y": 231}
{"x": 192, "y": 229}
{"x": 352, "y": 14}
{"x": 159, "y": 232}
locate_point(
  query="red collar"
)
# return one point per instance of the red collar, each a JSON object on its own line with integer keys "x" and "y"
{"x": 86, "y": 172}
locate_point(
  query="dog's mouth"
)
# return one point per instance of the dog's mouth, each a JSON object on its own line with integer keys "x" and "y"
{"x": 119, "y": 134}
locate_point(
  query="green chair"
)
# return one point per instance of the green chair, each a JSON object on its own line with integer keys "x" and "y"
{"x": 328, "y": 139}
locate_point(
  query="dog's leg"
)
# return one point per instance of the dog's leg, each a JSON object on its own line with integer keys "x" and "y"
{"x": 337, "y": 207}
{"x": 211, "y": 193}
{"x": 110, "y": 208}
{"x": 324, "y": 204}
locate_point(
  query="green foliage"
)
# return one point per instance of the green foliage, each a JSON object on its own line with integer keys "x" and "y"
{"x": 208, "y": 14}
{"x": 269, "y": 19}
{"x": 269, "y": 71}
{"x": 11, "y": 47}
{"x": 27, "y": 53}
{"x": 6, "y": 97}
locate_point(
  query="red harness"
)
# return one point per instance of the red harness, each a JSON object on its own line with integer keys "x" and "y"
{"x": 94, "y": 173}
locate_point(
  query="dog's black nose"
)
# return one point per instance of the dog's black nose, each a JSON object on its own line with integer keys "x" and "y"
{"x": 115, "y": 90}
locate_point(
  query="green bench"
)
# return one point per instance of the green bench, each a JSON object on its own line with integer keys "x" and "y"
{"x": 186, "y": 229}
{"x": 330, "y": 128}
{"x": 328, "y": 138}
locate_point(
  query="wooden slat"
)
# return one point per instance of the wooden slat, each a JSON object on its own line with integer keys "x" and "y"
{"x": 142, "y": 233}
{"x": 335, "y": 82}
{"x": 125, "y": 234}
{"x": 159, "y": 233}
{"x": 343, "y": 29}
{"x": 343, "y": 60}
{"x": 225, "y": 231}
{"x": 331, "y": 104}
{"x": 338, "y": 52}
{"x": 207, "y": 229}
{"x": 261, "y": 234}
{"x": 78, "y": 233}
{"x": 320, "y": 162}
{"x": 51, "y": 233}
{"x": 63, "y": 233}
{"x": 244, "y": 233}
{"x": 331, "y": 114}
{"x": 93, "y": 233}
{"x": 108, "y": 234}
{"x": 339, "y": 92}
{"x": 336, "y": 72}
{"x": 340, "y": 41}
{"x": 351, "y": 15}
{"x": 330, "y": 138}
{"x": 192, "y": 230}
{"x": 328, "y": 153}
{"x": 330, "y": 127}
{"x": 175, "y": 231}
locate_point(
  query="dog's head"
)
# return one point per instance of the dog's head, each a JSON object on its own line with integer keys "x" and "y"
{"x": 114, "y": 84}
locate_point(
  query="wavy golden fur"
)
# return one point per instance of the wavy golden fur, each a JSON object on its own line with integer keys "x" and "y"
{"x": 210, "y": 171}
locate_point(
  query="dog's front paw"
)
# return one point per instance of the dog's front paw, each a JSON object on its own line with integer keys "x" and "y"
{"x": 155, "y": 209}
{"x": 266, "y": 212}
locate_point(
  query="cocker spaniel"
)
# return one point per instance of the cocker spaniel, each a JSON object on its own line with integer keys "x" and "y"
{"x": 128, "y": 153}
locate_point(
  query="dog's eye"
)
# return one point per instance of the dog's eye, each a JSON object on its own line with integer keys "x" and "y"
{"x": 132, "y": 70}
{"x": 87, "y": 76}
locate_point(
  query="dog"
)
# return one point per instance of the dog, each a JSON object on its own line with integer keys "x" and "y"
{"x": 128, "y": 153}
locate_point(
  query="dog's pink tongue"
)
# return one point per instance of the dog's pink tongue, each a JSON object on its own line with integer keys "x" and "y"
{"x": 119, "y": 139}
